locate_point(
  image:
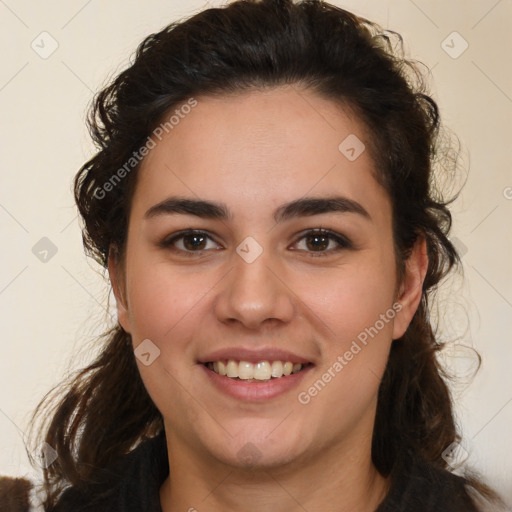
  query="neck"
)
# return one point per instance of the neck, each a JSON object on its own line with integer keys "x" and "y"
{"x": 341, "y": 478}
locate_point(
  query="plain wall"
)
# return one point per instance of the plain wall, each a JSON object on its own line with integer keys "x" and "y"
{"x": 51, "y": 309}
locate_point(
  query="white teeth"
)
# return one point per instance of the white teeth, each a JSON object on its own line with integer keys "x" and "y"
{"x": 287, "y": 368}
{"x": 297, "y": 367}
{"x": 232, "y": 369}
{"x": 245, "y": 370}
{"x": 263, "y": 370}
{"x": 277, "y": 369}
{"x": 222, "y": 368}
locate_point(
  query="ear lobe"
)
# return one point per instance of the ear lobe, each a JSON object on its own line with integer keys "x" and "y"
{"x": 411, "y": 288}
{"x": 115, "y": 271}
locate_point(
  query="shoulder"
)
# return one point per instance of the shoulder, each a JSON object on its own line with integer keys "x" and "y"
{"x": 132, "y": 483}
{"x": 426, "y": 487}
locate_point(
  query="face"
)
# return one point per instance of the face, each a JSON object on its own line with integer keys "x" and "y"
{"x": 291, "y": 261}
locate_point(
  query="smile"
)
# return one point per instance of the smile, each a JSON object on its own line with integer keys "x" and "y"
{"x": 255, "y": 382}
{"x": 262, "y": 371}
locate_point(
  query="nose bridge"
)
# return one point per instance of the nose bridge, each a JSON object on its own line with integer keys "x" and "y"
{"x": 253, "y": 291}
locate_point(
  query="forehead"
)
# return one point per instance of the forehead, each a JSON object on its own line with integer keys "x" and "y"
{"x": 260, "y": 147}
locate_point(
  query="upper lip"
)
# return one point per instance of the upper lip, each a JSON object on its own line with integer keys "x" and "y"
{"x": 252, "y": 355}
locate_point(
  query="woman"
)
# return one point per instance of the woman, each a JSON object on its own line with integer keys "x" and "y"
{"x": 263, "y": 198}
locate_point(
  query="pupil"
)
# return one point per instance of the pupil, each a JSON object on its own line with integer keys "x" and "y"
{"x": 198, "y": 241}
{"x": 323, "y": 244}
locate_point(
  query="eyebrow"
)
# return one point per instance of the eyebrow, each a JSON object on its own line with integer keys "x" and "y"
{"x": 303, "y": 207}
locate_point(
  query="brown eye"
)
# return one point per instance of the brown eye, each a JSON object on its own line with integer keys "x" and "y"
{"x": 321, "y": 242}
{"x": 189, "y": 242}
{"x": 193, "y": 242}
{"x": 317, "y": 242}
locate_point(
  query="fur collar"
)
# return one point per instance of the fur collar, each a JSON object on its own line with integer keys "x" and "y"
{"x": 17, "y": 495}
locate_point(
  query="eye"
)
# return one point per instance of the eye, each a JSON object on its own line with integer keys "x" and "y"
{"x": 317, "y": 242}
{"x": 190, "y": 241}
{"x": 323, "y": 242}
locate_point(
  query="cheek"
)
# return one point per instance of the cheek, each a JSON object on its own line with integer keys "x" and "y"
{"x": 351, "y": 298}
{"x": 162, "y": 299}
{"x": 357, "y": 309}
{"x": 165, "y": 307}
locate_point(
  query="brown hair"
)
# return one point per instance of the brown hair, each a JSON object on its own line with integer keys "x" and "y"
{"x": 105, "y": 410}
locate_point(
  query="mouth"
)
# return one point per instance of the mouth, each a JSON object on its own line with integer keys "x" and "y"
{"x": 258, "y": 381}
{"x": 255, "y": 374}
{"x": 262, "y": 371}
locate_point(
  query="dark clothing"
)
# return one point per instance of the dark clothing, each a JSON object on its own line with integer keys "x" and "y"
{"x": 135, "y": 484}
{"x": 421, "y": 487}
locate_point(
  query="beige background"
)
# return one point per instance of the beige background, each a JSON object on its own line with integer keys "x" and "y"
{"x": 50, "y": 309}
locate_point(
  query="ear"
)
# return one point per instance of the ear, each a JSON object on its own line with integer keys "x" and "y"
{"x": 411, "y": 287}
{"x": 116, "y": 274}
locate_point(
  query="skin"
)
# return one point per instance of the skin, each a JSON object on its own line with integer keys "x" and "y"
{"x": 254, "y": 152}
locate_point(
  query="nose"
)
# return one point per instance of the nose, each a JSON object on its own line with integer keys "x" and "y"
{"x": 255, "y": 294}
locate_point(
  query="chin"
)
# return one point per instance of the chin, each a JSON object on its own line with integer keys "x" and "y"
{"x": 262, "y": 447}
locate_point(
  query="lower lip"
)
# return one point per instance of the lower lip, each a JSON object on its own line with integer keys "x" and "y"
{"x": 255, "y": 391}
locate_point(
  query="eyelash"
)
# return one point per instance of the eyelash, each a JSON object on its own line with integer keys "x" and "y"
{"x": 342, "y": 241}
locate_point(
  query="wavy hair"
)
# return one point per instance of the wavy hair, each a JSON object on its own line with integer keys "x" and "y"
{"x": 104, "y": 411}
